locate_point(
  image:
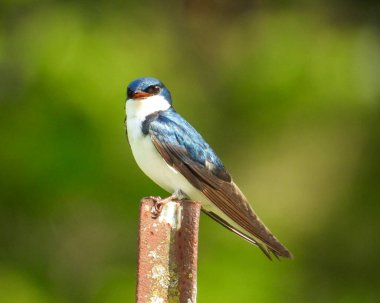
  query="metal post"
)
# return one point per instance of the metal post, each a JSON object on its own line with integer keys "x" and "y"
{"x": 168, "y": 250}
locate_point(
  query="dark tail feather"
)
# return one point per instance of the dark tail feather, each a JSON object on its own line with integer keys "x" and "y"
{"x": 264, "y": 248}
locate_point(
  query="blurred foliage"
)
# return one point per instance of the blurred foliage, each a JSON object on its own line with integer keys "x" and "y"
{"x": 288, "y": 94}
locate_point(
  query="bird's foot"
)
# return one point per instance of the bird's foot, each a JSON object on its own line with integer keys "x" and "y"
{"x": 155, "y": 199}
{"x": 158, "y": 204}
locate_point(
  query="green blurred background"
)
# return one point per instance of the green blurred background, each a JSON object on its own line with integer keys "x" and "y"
{"x": 287, "y": 93}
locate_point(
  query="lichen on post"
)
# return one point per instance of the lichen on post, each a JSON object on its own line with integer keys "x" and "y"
{"x": 168, "y": 250}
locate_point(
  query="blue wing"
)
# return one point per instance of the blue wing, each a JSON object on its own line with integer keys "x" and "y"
{"x": 184, "y": 148}
{"x": 170, "y": 129}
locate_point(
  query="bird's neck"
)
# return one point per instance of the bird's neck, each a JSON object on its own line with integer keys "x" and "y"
{"x": 140, "y": 108}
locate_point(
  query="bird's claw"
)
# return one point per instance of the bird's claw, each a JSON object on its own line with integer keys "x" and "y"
{"x": 156, "y": 209}
{"x": 158, "y": 204}
{"x": 155, "y": 199}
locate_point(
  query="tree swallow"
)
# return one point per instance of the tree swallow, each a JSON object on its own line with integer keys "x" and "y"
{"x": 176, "y": 157}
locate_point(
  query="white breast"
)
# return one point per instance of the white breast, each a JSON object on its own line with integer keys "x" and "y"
{"x": 146, "y": 155}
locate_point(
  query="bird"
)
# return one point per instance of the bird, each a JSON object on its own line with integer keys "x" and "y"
{"x": 177, "y": 158}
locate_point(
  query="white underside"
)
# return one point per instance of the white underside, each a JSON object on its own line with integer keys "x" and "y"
{"x": 149, "y": 159}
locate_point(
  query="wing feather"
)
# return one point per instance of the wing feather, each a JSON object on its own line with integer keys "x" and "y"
{"x": 215, "y": 183}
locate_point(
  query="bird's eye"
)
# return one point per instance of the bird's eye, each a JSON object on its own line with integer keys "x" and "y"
{"x": 153, "y": 89}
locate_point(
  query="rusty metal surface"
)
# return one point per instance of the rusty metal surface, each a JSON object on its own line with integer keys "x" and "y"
{"x": 168, "y": 252}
